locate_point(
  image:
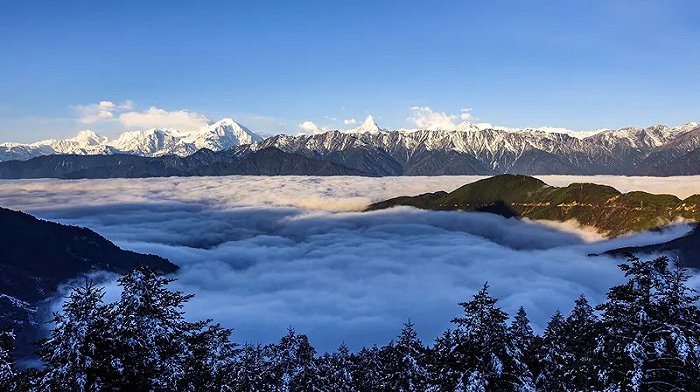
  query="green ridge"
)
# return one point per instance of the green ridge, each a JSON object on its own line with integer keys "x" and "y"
{"x": 601, "y": 206}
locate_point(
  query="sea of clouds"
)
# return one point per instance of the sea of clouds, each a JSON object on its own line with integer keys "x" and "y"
{"x": 265, "y": 253}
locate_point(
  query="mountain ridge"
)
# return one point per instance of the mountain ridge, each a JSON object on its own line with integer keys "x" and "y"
{"x": 610, "y": 211}
{"x": 466, "y": 150}
{"x": 268, "y": 161}
{"x": 152, "y": 142}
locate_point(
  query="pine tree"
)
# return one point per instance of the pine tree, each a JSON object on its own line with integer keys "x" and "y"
{"x": 553, "y": 356}
{"x": 369, "y": 371}
{"x": 150, "y": 332}
{"x": 650, "y": 339}
{"x": 480, "y": 355}
{"x": 335, "y": 371}
{"x": 521, "y": 333}
{"x": 77, "y": 354}
{"x": 407, "y": 371}
{"x": 446, "y": 366}
{"x": 211, "y": 364}
{"x": 7, "y": 366}
{"x": 253, "y": 372}
{"x": 521, "y": 349}
{"x": 292, "y": 363}
{"x": 581, "y": 330}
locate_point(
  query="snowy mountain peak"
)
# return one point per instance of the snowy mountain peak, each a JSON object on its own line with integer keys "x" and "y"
{"x": 226, "y": 122}
{"x": 467, "y": 126}
{"x": 368, "y": 126}
{"x": 88, "y": 137}
{"x": 153, "y": 142}
{"x": 223, "y": 134}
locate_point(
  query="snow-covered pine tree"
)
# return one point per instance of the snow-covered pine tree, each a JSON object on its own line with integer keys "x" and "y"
{"x": 369, "y": 368}
{"x": 77, "y": 354}
{"x": 481, "y": 352}
{"x": 521, "y": 333}
{"x": 293, "y": 363}
{"x": 335, "y": 371}
{"x": 552, "y": 356}
{"x": 407, "y": 371}
{"x": 150, "y": 332}
{"x": 211, "y": 365}
{"x": 7, "y": 365}
{"x": 253, "y": 372}
{"x": 682, "y": 335}
{"x": 650, "y": 339}
{"x": 521, "y": 349}
{"x": 581, "y": 331}
{"x": 445, "y": 368}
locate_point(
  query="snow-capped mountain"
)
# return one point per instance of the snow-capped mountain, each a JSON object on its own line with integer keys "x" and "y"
{"x": 368, "y": 126}
{"x": 153, "y": 142}
{"x": 372, "y": 150}
{"x": 475, "y": 149}
{"x": 84, "y": 143}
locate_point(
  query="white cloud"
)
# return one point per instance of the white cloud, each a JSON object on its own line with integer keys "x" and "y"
{"x": 465, "y": 114}
{"x": 309, "y": 127}
{"x": 155, "y": 117}
{"x": 426, "y": 118}
{"x": 350, "y": 121}
{"x": 101, "y": 111}
{"x": 260, "y": 256}
{"x": 105, "y": 113}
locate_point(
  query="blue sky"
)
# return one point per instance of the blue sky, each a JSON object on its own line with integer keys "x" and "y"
{"x": 272, "y": 65}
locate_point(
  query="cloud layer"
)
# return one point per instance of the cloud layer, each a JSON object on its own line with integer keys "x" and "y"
{"x": 264, "y": 253}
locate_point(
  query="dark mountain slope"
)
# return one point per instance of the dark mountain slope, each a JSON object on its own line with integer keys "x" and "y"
{"x": 686, "y": 249}
{"x": 268, "y": 161}
{"x": 34, "y": 250}
{"x": 678, "y": 164}
{"x": 438, "y": 163}
{"x": 612, "y": 212}
{"x": 36, "y": 256}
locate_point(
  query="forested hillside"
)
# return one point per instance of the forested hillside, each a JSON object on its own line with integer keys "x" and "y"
{"x": 610, "y": 211}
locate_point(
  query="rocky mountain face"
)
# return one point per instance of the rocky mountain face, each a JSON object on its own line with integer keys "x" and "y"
{"x": 36, "y": 256}
{"x": 372, "y": 150}
{"x": 471, "y": 150}
{"x": 153, "y": 142}
{"x": 613, "y": 213}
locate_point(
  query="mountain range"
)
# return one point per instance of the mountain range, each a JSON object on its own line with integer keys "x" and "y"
{"x": 369, "y": 150}
{"x": 610, "y": 211}
{"x": 153, "y": 142}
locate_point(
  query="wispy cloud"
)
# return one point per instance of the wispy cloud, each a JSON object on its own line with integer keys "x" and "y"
{"x": 426, "y": 118}
{"x": 310, "y": 128}
{"x": 103, "y": 112}
{"x": 155, "y": 117}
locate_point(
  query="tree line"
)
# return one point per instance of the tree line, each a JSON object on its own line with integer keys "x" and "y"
{"x": 644, "y": 337}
